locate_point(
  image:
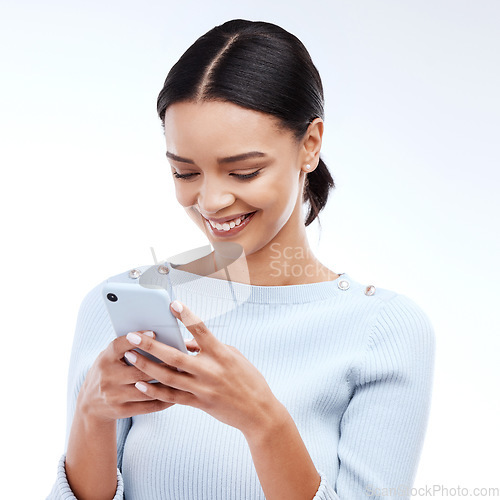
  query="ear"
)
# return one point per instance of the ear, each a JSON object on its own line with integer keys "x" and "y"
{"x": 311, "y": 143}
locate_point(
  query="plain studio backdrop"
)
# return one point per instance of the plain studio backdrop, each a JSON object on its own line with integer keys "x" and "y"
{"x": 411, "y": 138}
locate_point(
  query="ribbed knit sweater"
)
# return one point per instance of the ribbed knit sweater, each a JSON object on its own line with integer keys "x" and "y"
{"x": 355, "y": 372}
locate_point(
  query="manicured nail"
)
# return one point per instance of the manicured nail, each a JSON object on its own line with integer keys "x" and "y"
{"x": 133, "y": 338}
{"x": 149, "y": 333}
{"x": 131, "y": 356}
{"x": 176, "y": 306}
{"x": 142, "y": 387}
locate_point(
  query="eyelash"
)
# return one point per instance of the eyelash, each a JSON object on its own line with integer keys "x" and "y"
{"x": 239, "y": 176}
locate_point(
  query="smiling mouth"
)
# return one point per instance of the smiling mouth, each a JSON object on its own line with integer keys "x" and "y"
{"x": 231, "y": 227}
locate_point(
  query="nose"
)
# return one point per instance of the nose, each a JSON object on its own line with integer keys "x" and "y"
{"x": 214, "y": 196}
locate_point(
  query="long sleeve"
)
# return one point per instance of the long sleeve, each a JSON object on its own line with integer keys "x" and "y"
{"x": 93, "y": 333}
{"x": 383, "y": 427}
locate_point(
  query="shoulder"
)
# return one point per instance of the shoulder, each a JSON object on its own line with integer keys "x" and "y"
{"x": 388, "y": 302}
{"x": 399, "y": 342}
{"x": 394, "y": 316}
{"x": 93, "y": 322}
{"x": 133, "y": 275}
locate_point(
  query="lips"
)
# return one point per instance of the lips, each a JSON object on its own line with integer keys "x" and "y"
{"x": 245, "y": 220}
{"x": 227, "y": 220}
{"x": 223, "y": 220}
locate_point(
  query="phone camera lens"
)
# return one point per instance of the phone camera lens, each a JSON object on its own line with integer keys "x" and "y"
{"x": 112, "y": 297}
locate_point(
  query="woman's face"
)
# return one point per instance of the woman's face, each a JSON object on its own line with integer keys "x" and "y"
{"x": 212, "y": 143}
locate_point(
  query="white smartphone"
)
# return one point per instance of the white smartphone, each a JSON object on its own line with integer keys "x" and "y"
{"x": 133, "y": 307}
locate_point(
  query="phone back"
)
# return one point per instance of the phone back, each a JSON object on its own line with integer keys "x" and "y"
{"x": 132, "y": 307}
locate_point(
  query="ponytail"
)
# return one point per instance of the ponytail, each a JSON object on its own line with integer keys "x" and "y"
{"x": 316, "y": 190}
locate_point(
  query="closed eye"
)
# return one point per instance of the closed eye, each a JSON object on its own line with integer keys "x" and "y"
{"x": 239, "y": 176}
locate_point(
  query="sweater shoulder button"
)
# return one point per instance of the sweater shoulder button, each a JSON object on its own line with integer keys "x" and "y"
{"x": 344, "y": 285}
{"x": 134, "y": 273}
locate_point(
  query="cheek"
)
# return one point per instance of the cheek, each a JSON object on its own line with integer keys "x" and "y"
{"x": 280, "y": 194}
{"x": 184, "y": 195}
{"x": 188, "y": 202}
{"x": 276, "y": 199}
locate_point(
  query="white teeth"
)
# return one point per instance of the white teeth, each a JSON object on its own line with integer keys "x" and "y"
{"x": 226, "y": 226}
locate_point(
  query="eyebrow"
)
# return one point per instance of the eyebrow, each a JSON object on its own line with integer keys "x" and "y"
{"x": 227, "y": 159}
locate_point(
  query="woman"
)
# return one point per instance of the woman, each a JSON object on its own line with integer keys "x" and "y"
{"x": 306, "y": 384}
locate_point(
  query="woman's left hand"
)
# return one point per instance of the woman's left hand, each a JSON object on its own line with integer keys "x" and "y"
{"x": 218, "y": 380}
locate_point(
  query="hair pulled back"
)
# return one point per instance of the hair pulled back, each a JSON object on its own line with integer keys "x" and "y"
{"x": 259, "y": 66}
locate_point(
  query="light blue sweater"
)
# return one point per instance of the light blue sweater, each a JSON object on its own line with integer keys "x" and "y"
{"x": 355, "y": 372}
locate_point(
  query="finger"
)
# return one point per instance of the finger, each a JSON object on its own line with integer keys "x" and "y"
{"x": 129, "y": 393}
{"x": 166, "y": 393}
{"x": 192, "y": 345}
{"x": 165, "y": 375}
{"x": 127, "y": 374}
{"x": 203, "y": 336}
{"x": 143, "y": 407}
{"x": 169, "y": 355}
{"x": 120, "y": 345}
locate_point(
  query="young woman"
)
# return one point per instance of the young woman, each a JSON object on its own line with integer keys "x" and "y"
{"x": 306, "y": 383}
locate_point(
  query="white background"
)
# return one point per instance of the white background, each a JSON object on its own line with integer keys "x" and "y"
{"x": 411, "y": 139}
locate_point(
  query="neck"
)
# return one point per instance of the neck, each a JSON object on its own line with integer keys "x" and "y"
{"x": 282, "y": 266}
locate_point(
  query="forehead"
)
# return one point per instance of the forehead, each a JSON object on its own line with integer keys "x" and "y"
{"x": 217, "y": 127}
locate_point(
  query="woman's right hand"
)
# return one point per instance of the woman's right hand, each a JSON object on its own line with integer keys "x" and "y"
{"x": 108, "y": 392}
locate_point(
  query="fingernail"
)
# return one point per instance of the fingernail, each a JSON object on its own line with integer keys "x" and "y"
{"x": 142, "y": 387}
{"x": 149, "y": 333}
{"x": 176, "y": 306}
{"x": 133, "y": 338}
{"x": 131, "y": 356}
